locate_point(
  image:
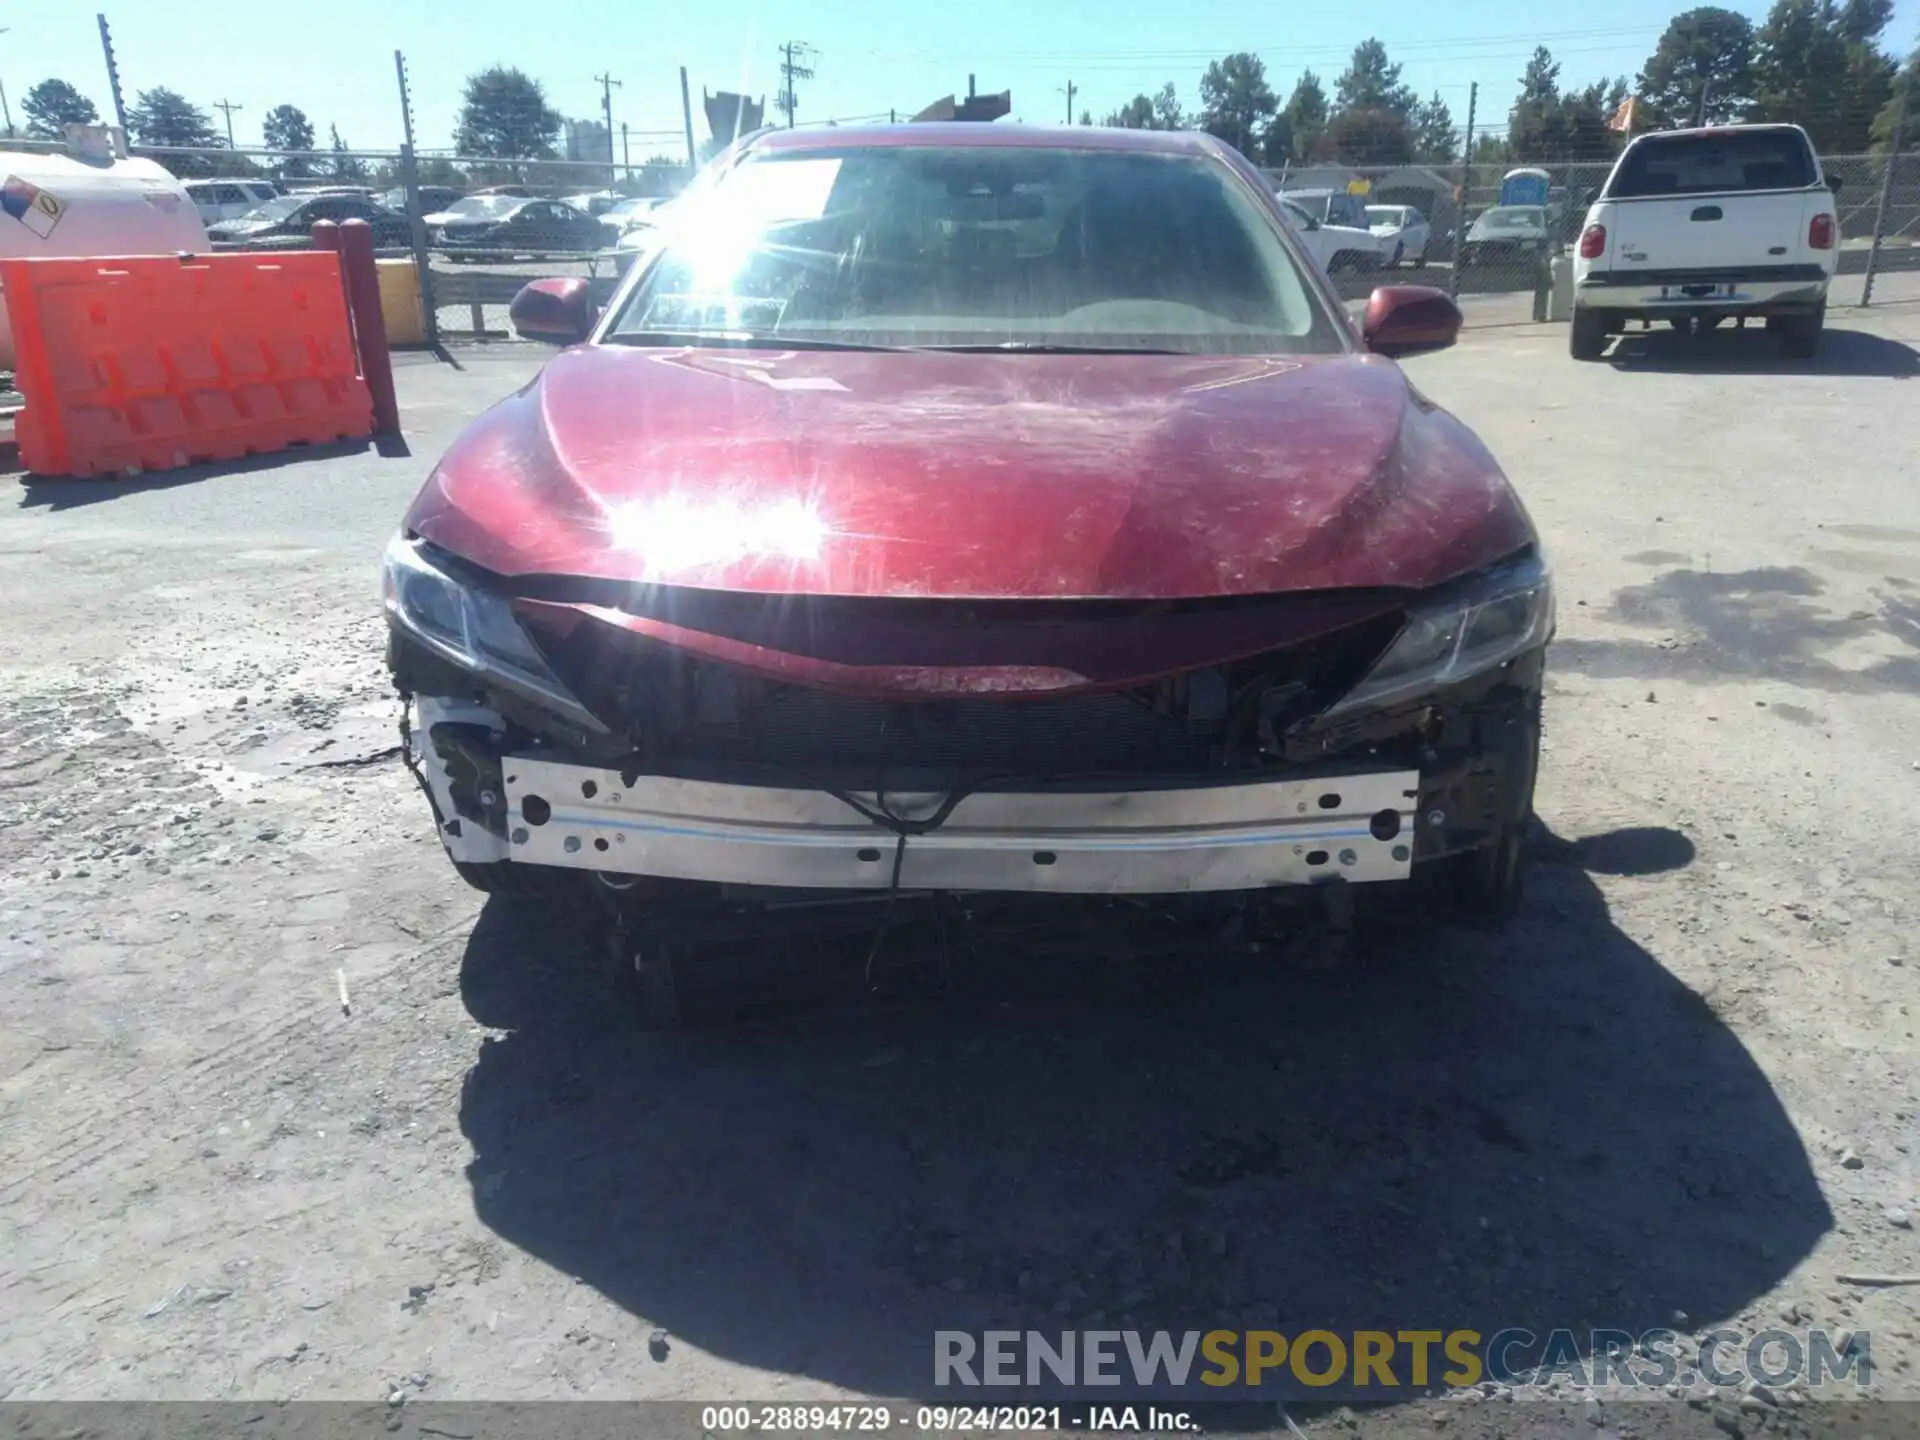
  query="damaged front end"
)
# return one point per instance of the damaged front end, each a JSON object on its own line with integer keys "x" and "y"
{"x": 819, "y": 743}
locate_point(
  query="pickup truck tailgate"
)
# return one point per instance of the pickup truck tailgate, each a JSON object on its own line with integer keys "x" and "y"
{"x": 1700, "y": 232}
{"x": 1714, "y": 199}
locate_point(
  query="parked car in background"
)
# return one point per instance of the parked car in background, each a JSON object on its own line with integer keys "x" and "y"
{"x": 596, "y": 202}
{"x": 219, "y": 200}
{"x": 632, "y": 213}
{"x": 1335, "y": 247}
{"x": 433, "y": 199}
{"x": 758, "y": 605}
{"x": 1698, "y": 226}
{"x": 286, "y": 223}
{"x": 1507, "y": 234}
{"x": 1403, "y": 229}
{"x": 470, "y": 208}
{"x": 535, "y": 228}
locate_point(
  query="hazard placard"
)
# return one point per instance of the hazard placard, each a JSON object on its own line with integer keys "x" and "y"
{"x": 39, "y": 210}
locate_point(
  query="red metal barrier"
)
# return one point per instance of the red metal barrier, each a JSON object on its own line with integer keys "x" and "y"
{"x": 147, "y": 362}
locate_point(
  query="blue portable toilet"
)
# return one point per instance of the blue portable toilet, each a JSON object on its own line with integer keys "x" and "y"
{"x": 1525, "y": 186}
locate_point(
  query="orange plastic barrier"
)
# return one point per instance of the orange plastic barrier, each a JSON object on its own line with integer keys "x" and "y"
{"x": 150, "y": 362}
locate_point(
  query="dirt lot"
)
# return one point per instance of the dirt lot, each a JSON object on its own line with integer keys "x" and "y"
{"x": 1684, "y": 1080}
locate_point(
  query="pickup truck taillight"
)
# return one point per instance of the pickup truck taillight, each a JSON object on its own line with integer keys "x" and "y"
{"x": 1593, "y": 242}
{"x": 1820, "y": 232}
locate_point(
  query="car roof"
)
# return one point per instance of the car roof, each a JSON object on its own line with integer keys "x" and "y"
{"x": 981, "y": 135}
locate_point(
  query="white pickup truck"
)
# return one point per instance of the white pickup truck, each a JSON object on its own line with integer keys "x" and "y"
{"x": 1697, "y": 226}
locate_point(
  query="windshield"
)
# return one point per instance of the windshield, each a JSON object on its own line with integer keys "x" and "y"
{"x": 978, "y": 246}
{"x": 484, "y": 207}
{"x": 278, "y": 208}
{"x": 1515, "y": 217}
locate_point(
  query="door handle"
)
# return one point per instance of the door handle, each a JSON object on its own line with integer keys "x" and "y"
{"x": 1707, "y": 212}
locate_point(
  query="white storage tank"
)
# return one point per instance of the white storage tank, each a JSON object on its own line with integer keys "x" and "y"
{"x": 66, "y": 205}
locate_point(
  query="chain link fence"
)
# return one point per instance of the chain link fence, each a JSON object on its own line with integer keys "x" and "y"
{"x": 473, "y": 229}
{"x": 1459, "y": 237}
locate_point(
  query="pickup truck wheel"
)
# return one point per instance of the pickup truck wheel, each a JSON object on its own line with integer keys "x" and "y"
{"x": 1800, "y": 334}
{"x": 1587, "y": 338}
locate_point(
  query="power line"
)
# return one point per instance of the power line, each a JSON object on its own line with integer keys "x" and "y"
{"x": 792, "y": 68}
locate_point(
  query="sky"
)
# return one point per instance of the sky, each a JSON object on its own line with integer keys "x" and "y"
{"x": 336, "y": 60}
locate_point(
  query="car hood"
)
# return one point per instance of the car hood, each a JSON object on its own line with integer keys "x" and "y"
{"x": 979, "y": 476}
{"x": 1504, "y": 232}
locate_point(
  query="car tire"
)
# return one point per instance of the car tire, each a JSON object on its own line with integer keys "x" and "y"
{"x": 1587, "y": 337}
{"x": 1399, "y": 253}
{"x": 1488, "y": 883}
{"x": 1800, "y": 334}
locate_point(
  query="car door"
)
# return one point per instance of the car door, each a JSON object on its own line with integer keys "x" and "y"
{"x": 1312, "y": 237}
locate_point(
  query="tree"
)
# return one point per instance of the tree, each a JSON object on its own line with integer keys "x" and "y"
{"x": 1086, "y": 117}
{"x": 1492, "y": 150}
{"x": 1432, "y": 125}
{"x": 1370, "y": 135}
{"x": 286, "y": 127}
{"x": 1236, "y": 103}
{"x": 52, "y": 105}
{"x": 1531, "y": 125}
{"x": 1160, "y": 111}
{"x": 505, "y": 115}
{"x": 1167, "y": 111}
{"x": 1306, "y": 115}
{"x": 1701, "y": 72}
{"x": 1815, "y": 64}
{"x": 1371, "y": 83}
{"x": 1908, "y": 84}
{"x": 438, "y": 170}
{"x": 164, "y": 117}
{"x": 347, "y": 168}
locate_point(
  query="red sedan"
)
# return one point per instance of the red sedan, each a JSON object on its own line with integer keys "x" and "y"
{"x": 958, "y": 508}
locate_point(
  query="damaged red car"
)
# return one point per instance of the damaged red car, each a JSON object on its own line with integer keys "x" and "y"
{"x": 972, "y": 510}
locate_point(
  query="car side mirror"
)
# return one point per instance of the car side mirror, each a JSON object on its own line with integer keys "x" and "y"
{"x": 1833, "y": 183}
{"x": 556, "y": 311}
{"x": 1404, "y": 319}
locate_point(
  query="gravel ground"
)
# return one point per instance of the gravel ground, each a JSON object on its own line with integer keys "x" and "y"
{"x": 1682, "y": 1081}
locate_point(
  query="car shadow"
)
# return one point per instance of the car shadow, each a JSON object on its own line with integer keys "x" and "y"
{"x": 1768, "y": 623}
{"x": 67, "y": 492}
{"x": 1538, "y": 1126}
{"x": 1731, "y": 351}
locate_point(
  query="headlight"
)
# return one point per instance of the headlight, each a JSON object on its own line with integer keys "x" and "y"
{"x": 473, "y": 628}
{"x": 1469, "y": 626}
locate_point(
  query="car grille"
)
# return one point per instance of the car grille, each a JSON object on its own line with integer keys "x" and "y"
{"x": 675, "y": 707}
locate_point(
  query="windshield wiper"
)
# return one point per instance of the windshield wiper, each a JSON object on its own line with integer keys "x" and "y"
{"x": 1043, "y": 347}
{"x": 733, "y": 340}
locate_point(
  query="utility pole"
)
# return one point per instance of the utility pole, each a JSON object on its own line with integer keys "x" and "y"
{"x": 1070, "y": 90}
{"x": 792, "y": 67}
{"x": 607, "y": 82}
{"x": 626, "y": 155}
{"x": 227, "y": 107}
{"x": 1466, "y": 189}
{"x": 406, "y": 97}
{"x": 686, "y": 117}
{"x": 113, "y": 73}
{"x": 1700, "y": 106}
